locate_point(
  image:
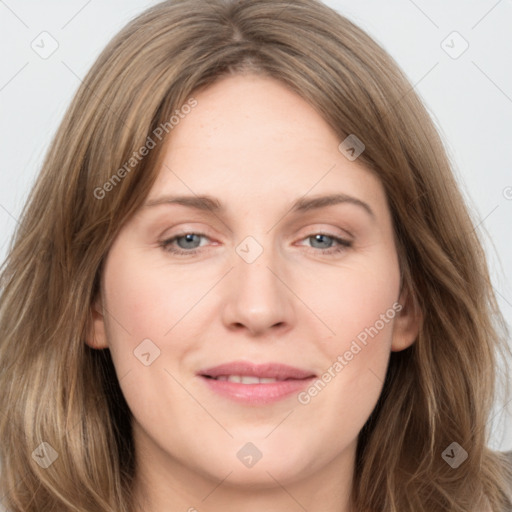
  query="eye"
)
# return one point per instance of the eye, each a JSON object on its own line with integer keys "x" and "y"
{"x": 190, "y": 243}
{"x": 323, "y": 238}
{"x": 187, "y": 243}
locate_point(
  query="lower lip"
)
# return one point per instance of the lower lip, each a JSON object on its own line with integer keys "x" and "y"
{"x": 257, "y": 393}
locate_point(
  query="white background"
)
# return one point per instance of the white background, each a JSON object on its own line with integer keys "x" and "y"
{"x": 469, "y": 97}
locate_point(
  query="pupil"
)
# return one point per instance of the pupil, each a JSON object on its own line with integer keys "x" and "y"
{"x": 320, "y": 238}
{"x": 189, "y": 238}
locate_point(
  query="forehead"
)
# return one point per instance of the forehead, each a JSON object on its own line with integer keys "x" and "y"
{"x": 255, "y": 115}
{"x": 251, "y": 138}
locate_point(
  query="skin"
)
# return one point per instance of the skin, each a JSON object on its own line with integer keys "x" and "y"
{"x": 256, "y": 146}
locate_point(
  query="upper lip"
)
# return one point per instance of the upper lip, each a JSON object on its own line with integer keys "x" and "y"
{"x": 267, "y": 370}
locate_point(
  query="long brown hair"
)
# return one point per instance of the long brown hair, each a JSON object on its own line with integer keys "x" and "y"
{"x": 61, "y": 398}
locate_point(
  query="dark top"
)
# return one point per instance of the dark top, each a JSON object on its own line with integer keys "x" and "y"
{"x": 509, "y": 455}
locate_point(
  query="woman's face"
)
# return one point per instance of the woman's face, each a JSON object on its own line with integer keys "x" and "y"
{"x": 270, "y": 277}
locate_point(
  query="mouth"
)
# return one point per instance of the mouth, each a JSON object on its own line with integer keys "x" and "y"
{"x": 255, "y": 384}
{"x": 246, "y": 379}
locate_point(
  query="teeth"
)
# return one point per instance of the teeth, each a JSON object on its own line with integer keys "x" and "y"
{"x": 246, "y": 379}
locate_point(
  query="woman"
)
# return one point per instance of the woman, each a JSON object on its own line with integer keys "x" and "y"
{"x": 256, "y": 370}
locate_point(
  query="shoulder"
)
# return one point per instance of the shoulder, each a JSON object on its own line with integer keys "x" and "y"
{"x": 508, "y": 456}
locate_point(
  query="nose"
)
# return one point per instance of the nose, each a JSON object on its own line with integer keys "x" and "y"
{"x": 257, "y": 298}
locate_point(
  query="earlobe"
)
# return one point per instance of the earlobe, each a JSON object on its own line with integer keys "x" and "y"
{"x": 96, "y": 337}
{"x": 407, "y": 322}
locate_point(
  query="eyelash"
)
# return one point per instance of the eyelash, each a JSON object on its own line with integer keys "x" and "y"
{"x": 342, "y": 244}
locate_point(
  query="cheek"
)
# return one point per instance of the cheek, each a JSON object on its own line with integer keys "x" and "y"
{"x": 143, "y": 305}
{"x": 357, "y": 301}
{"x": 138, "y": 302}
{"x": 147, "y": 300}
{"x": 361, "y": 313}
{"x": 359, "y": 305}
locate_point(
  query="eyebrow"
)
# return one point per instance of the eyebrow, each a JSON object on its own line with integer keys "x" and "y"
{"x": 209, "y": 203}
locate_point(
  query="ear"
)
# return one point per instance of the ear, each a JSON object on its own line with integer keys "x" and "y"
{"x": 97, "y": 337}
{"x": 407, "y": 322}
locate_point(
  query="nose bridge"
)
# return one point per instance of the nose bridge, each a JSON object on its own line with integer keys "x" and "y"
{"x": 257, "y": 298}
